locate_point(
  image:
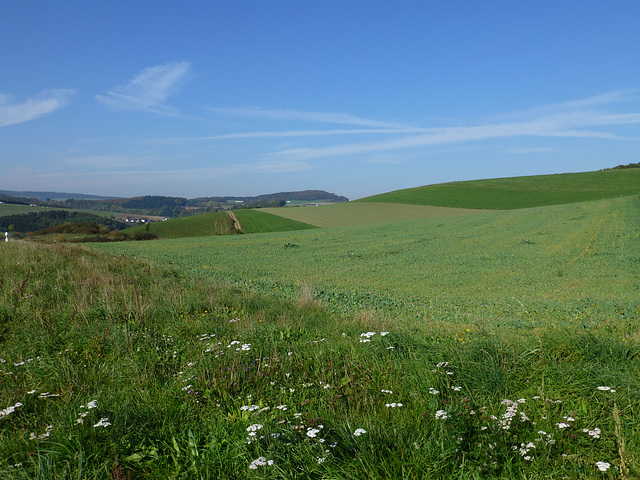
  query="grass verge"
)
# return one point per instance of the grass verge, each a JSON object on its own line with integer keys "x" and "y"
{"x": 114, "y": 368}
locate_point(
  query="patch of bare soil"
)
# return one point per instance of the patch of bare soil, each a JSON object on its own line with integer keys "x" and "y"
{"x": 236, "y": 224}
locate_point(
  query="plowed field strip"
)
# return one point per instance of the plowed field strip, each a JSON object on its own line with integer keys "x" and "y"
{"x": 345, "y": 214}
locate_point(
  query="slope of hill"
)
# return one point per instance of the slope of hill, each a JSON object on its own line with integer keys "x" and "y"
{"x": 504, "y": 266}
{"x": 361, "y": 213}
{"x": 520, "y": 192}
{"x": 220, "y": 223}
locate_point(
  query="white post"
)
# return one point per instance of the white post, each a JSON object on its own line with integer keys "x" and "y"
{"x": 6, "y": 236}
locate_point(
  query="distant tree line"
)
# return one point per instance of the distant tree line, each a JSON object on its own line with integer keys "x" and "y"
{"x": 34, "y": 221}
{"x": 177, "y": 206}
{"x": 265, "y": 203}
{"x": 14, "y": 200}
{"x": 629, "y": 165}
{"x": 147, "y": 205}
{"x": 304, "y": 195}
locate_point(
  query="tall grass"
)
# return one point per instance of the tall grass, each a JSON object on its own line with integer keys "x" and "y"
{"x": 114, "y": 368}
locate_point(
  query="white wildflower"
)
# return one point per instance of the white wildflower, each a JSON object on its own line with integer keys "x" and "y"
{"x": 359, "y": 432}
{"x": 603, "y": 466}
{"x": 595, "y": 433}
{"x": 104, "y": 422}
{"x": 606, "y": 389}
{"x": 441, "y": 415}
{"x": 260, "y": 462}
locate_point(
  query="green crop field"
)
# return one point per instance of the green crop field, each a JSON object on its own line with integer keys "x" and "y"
{"x": 11, "y": 209}
{"x": 500, "y": 345}
{"x": 521, "y": 192}
{"x": 220, "y": 223}
{"x": 345, "y": 214}
{"x": 261, "y": 221}
{"x": 510, "y": 267}
{"x": 216, "y": 223}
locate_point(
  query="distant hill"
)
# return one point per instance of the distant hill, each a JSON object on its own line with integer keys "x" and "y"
{"x": 161, "y": 205}
{"x": 304, "y": 195}
{"x": 34, "y": 221}
{"x": 220, "y": 223}
{"x": 4, "y": 198}
{"x": 44, "y": 196}
{"x": 521, "y": 192}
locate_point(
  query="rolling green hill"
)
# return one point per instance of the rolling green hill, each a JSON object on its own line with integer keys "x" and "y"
{"x": 259, "y": 221}
{"x": 516, "y": 265}
{"x": 220, "y": 223}
{"x": 520, "y": 192}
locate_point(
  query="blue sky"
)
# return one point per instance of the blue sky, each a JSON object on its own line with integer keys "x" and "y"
{"x": 206, "y": 98}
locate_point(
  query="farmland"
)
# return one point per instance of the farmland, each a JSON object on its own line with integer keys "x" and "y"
{"x": 500, "y": 344}
{"x": 11, "y": 209}
{"x": 347, "y": 214}
{"x": 220, "y": 223}
{"x": 518, "y": 266}
{"x": 521, "y": 192}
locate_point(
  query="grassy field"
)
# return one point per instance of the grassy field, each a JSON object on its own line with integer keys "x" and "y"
{"x": 11, "y": 209}
{"x": 114, "y": 368}
{"x": 220, "y": 223}
{"x": 347, "y": 214}
{"x": 262, "y": 221}
{"x": 513, "y": 267}
{"x": 499, "y": 345}
{"x": 521, "y": 192}
{"x": 216, "y": 223}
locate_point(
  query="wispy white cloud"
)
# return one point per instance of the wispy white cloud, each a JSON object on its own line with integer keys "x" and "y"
{"x": 528, "y": 150}
{"x": 292, "y": 133}
{"x": 566, "y": 120}
{"x": 109, "y": 179}
{"x": 388, "y": 159}
{"x": 318, "y": 117}
{"x": 47, "y": 102}
{"x": 607, "y": 99}
{"x": 108, "y": 162}
{"x": 149, "y": 89}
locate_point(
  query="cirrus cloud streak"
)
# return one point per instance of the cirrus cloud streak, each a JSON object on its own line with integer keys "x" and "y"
{"x": 148, "y": 89}
{"x": 47, "y": 102}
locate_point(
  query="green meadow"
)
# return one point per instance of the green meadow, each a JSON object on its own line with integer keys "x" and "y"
{"x": 520, "y": 192}
{"x": 220, "y": 223}
{"x": 501, "y": 344}
{"x": 12, "y": 209}
{"x": 354, "y": 213}
{"x": 515, "y": 267}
